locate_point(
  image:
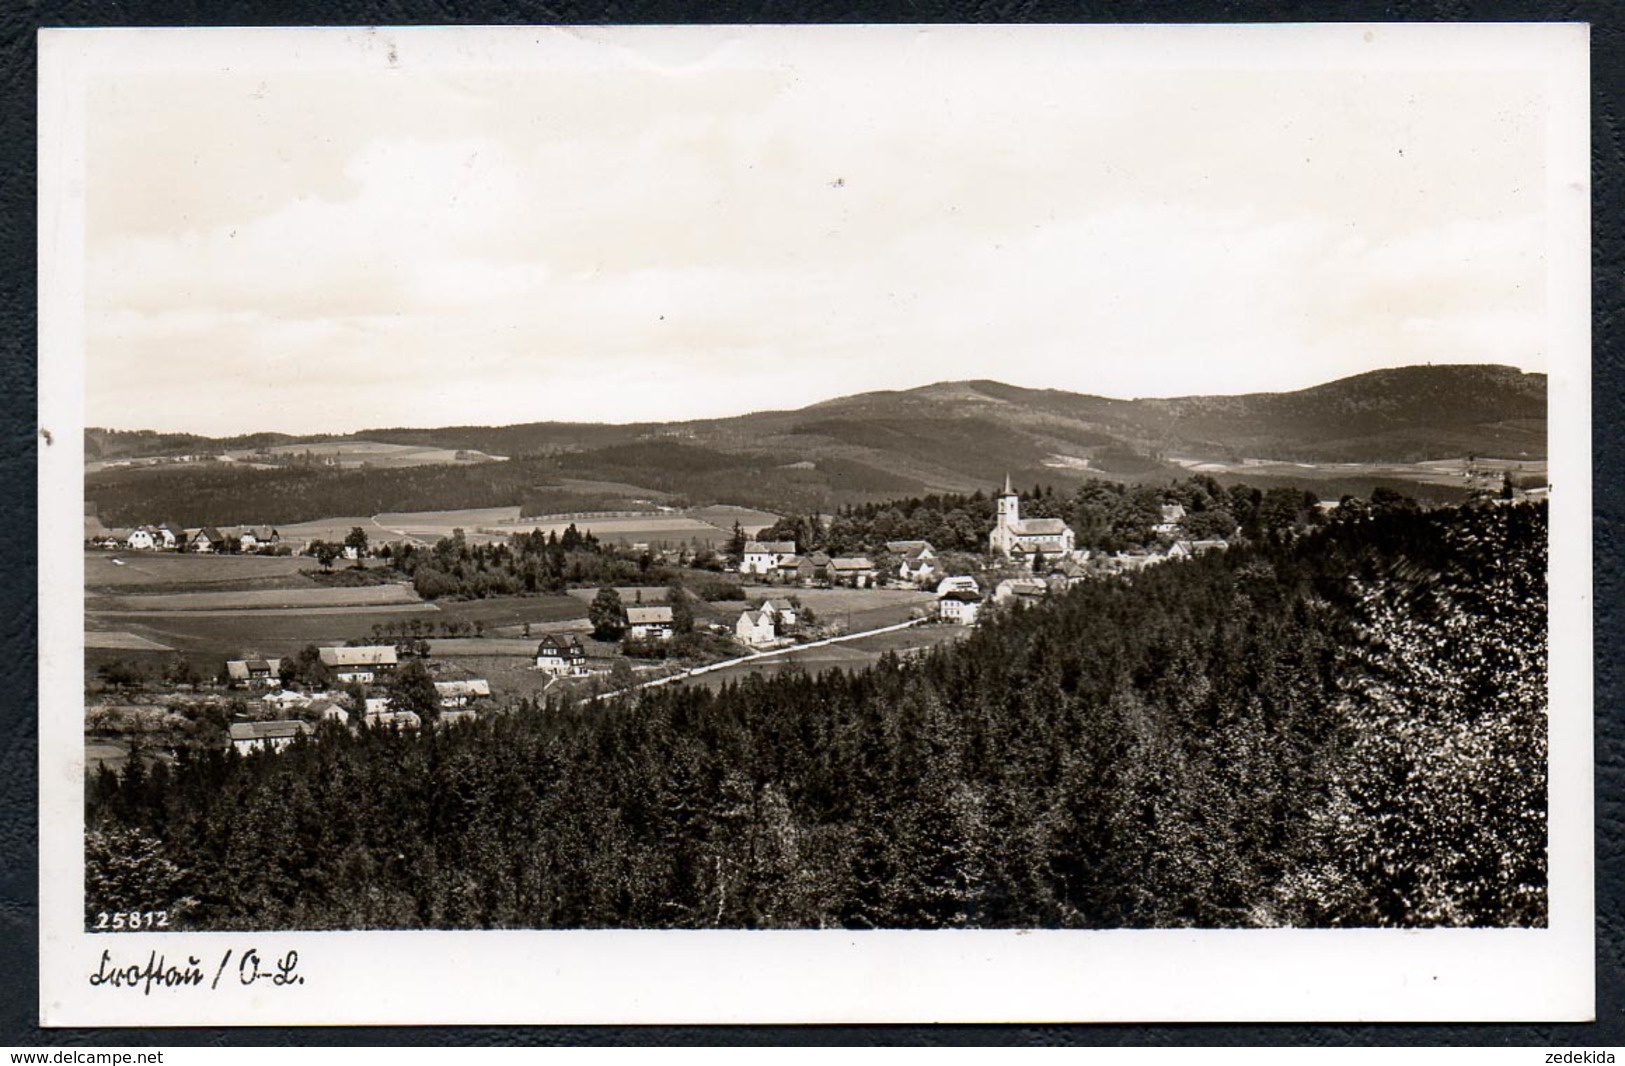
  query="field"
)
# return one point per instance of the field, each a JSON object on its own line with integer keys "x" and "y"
{"x": 515, "y": 611}
{"x": 353, "y": 453}
{"x": 172, "y": 571}
{"x": 855, "y": 608}
{"x": 262, "y": 599}
{"x": 117, "y": 640}
{"x": 209, "y": 638}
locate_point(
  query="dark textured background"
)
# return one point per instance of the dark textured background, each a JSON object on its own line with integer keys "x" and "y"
{"x": 18, "y": 595}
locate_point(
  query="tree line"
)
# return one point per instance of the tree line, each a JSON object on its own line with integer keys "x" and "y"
{"x": 1343, "y": 726}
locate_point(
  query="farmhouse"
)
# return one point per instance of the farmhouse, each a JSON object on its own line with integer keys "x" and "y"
{"x": 362, "y": 664}
{"x": 330, "y": 711}
{"x": 254, "y": 673}
{"x": 763, "y": 556}
{"x": 918, "y": 563}
{"x": 789, "y": 570}
{"x": 959, "y": 607}
{"x": 169, "y": 537}
{"x": 1016, "y": 536}
{"x": 854, "y": 570}
{"x": 649, "y": 623}
{"x": 207, "y": 539}
{"x": 462, "y": 693}
{"x": 755, "y": 628}
{"x": 261, "y": 736}
{"x": 561, "y": 659}
{"x": 811, "y": 569}
{"x": 140, "y": 539}
{"x": 254, "y": 539}
{"x": 1021, "y": 590}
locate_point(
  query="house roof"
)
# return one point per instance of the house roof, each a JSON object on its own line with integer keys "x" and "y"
{"x": 367, "y": 655}
{"x": 910, "y": 548}
{"x": 852, "y": 562}
{"x": 551, "y": 648}
{"x": 961, "y": 595}
{"x": 790, "y": 562}
{"x": 210, "y": 533}
{"x": 819, "y": 558}
{"x": 756, "y": 618}
{"x": 643, "y": 616}
{"x": 243, "y": 669}
{"x": 777, "y": 547}
{"x": 268, "y": 730}
{"x": 1038, "y": 527}
{"x": 1024, "y": 586}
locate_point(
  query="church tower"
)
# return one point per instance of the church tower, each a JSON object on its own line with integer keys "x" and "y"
{"x": 1003, "y": 537}
{"x": 1009, "y": 505}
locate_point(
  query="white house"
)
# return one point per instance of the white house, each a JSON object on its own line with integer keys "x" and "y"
{"x": 783, "y": 614}
{"x": 755, "y": 628}
{"x": 286, "y": 698}
{"x": 262, "y": 736}
{"x": 764, "y": 556}
{"x": 561, "y": 659}
{"x": 959, "y": 607}
{"x": 363, "y": 664}
{"x": 168, "y": 537}
{"x": 918, "y": 560}
{"x": 207, "y": 539}
{"x": 141, "y": 540}
{"x": 1014, "y": 535}
{"x": 1168, "y": 523}
{"x": 649, "y": 623}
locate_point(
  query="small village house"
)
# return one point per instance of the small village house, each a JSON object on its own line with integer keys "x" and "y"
{"x": 918, "y": 560}
{"x": 856, "y": 571}
{"x": 762, "y": 557}
{"x": 755, "y": 628}
{"x": 561, "y": 658}
{"x": 959, "y": 607}
{"x": 140, "y": 540}
{"x": 1020, "y": 590}
{"x": 649, "y": 622}
{"x": 462, "y": 693}
{"x": 249, "y": 737}
{"x": 364, "y": 664}
{"x": 784, "y": 613}
{"x": 207, "y": 539}
{"x": 254, "y": 673}
{"x": 169, "y": 537}
{"x": 1168, "y": 523}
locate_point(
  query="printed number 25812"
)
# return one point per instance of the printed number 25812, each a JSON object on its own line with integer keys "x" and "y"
{"x": 122, "y": 921}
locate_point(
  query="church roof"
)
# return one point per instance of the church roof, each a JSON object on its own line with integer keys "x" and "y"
{"x": 1038, "y": 527}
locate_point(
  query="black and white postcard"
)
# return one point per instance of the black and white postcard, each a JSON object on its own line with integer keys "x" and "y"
{"x": 814, "y": 524}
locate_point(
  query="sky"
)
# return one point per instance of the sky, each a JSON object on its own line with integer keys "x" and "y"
{"x": 657, "y": 225}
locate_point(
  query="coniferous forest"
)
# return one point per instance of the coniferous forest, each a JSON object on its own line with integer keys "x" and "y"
{"x": 1345, "y": 727}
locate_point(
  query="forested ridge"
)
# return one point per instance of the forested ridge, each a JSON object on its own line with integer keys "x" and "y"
{"x": 1345, "y": 727}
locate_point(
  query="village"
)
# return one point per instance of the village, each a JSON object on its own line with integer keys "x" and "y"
{"x": 795, "y": 606}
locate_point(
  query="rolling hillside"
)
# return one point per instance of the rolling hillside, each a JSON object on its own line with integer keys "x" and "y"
{"x": 949, "y": 436}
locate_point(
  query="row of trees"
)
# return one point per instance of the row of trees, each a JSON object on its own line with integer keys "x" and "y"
{"x": 1345, "y": 727}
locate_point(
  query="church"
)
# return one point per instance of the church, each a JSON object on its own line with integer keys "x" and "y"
{"x": 1016, "y": 536}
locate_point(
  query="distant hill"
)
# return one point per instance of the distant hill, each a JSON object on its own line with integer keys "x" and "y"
{"x": 963, "y": 435}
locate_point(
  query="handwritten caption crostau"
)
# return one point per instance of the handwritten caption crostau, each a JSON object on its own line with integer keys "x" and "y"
{"x": 245, "y": 968}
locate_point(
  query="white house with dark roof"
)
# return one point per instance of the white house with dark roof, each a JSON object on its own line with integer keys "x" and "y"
{"x": 207, "y": 539}
{"x": 1020, "y": 590}
{"x": 783, "y": 613}
{"x": 266, "y": 736}
{"x": 561, "y": 658}
{"x": 363, "y": 664}
{"x": 764, "y": 556}
{"x": 141, "y": 539}
{"x": 649, "y": 622}
{"x": 918, "y": 563}
{"x": 959, "y": 607}
{"x": 1016, "y": 536}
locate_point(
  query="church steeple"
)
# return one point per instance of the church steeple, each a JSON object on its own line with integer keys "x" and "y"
{"x": 1008, "y": 491}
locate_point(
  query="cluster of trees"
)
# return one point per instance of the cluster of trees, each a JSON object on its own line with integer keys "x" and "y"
{"x": 1105, "y": 515}
{"x": 1342, "y": 727}
{"x": 527, "y": 563}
